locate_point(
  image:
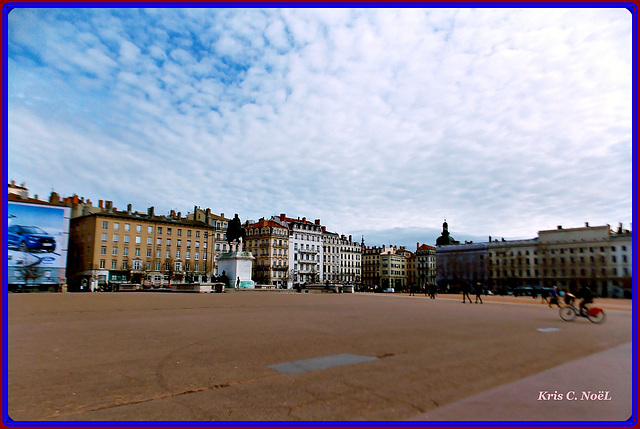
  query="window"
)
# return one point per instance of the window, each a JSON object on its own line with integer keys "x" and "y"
{"x": 137, "y": 264}
{"x": 148, "y": 253}
{"x": 168, "y": 231}
{"x": 104, "y": 237}
{"x": 197, "y": 234}
{"x": 138, "y": 239}
{"x": 179, "y": 232}
{"x": 138, "y": 228}
{"x": 103, "y": 250}
{"x": 114, "y": 264}
{"x": 105, "y": 225}
{"x": 126, "y": 239}
{"x": 168, "y": 254}
{"x": 102, "y": 263}
{"x": 188, "y": 244}
{"x": 197, "y": 256}
{"x": 177, "y": 254}
{"x": 158, "y": 254}
{"x": 159, "y": 230}
{"x": 149, "y": 241}
{"x": 116, "y": 226}
{"x": 127, "y": 226}
{"x": 157, "y": 266}
{"x": 188, "y": 255}
{"x": 137, "y": 251}
{"x": 188, "y": 233}
{"x": 168, "y": 242}
{"x": 149, "y": 230}
{"x": 148, "y": 266}
{"x": 179, "y": 242}
{"x": 159, "y": 242}
{"x": 114, "y": 251}
{"x": 125, "y": 251}
{"x": 115, "y": 238}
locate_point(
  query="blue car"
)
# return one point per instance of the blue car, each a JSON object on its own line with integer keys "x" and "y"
{"x": 30, "y": 239}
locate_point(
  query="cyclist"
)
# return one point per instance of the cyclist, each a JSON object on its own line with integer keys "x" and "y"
{"x": 587, "y": 297}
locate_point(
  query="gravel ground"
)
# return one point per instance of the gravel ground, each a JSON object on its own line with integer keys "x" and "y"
{"x": 208, "y": 357}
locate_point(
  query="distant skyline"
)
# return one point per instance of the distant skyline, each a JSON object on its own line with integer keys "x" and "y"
{"x": 380, "y": 122}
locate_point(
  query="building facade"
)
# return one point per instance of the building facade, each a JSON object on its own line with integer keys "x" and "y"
{"x": 425, "y": 265}
{"x": 113, "y": 247}
{"x": 268, "y": 241}
{"x": 350, "y": 261}
{"x": 568, "y": 258}
{"x": 305, "y": 250}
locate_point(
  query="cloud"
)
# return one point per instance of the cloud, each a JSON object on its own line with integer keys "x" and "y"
{"x": 505, "y": 121}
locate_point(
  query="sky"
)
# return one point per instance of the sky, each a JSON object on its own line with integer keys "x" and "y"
{"x": 380, "y": 122}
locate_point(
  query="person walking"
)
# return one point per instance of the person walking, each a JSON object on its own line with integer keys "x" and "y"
{"x": 478, "y": 291}
{"x": 465, "y": 292}
{"x": 238, "y": 284}
{"x": 554, "y": 297}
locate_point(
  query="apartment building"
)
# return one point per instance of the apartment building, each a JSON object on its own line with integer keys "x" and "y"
{"x": 384, "y": 267}
{"x": 268, "y": 241}
{"x": 305, "y": 250}
{"x": 425, "y": 264}
{"x": 331, "y": 256}
{"x": 113, "y": 246}
{"x": 568, "y": 258}
{"x": 350, "y": 261}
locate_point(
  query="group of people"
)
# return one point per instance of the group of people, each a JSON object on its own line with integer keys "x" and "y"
{"x": 477, "y": 290}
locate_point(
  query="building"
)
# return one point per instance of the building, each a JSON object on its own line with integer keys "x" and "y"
{"x": 384, "y": 267}
{"x": 219, "y": 223}
{"x": 268, "y": 241}
{"x": 350, "y": 261}
{"x": 305, "y": 250}
{"x": 331, "y": 256}
{"x": 112, "y": 247}
{"x": 568, "y": 258}
{"x": 425, "y": 265}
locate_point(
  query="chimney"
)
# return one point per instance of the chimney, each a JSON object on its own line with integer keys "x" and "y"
{"x": 150, "y": 211}
{"x": 173, "y": 214}
{"x": 324, "y": 228}
{"x": 283, "y": 216}
{"x": 179, "y": 216}
{"x": 620, "y": 230}
{"x": 101, "y": 204}
{"x": 318, "y": 222}
{"x": 221, "y": 214}
{"x": 129, "y": 207}
{"x": 349, "y": 238}
{"x": 489, "y": 239}
{"x": 586, "y": 224}
{"x": 54, "y": 198}
{"x": 88, "y": 202}
{"x": 208, "y": 212}
{"x": 304, "y": 219}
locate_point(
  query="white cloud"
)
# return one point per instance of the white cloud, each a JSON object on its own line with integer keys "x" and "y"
{"x": 503, "y": 120}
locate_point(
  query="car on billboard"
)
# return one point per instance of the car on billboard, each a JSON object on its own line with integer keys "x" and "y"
{"x": 30, "y": 239}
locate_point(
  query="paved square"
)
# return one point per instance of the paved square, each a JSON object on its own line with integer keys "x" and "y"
{"x": 210, "y": 357}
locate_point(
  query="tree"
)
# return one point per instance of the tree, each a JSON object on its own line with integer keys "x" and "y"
{"x": 29, "y": 272}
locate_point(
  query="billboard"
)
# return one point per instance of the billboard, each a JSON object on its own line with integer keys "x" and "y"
{"x": 37, "y": 244}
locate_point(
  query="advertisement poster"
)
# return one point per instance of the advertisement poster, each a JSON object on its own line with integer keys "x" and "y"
{"x": 37, "y": 240}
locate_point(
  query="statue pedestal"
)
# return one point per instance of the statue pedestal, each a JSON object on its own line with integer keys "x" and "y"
{"x": 237, "y": 264}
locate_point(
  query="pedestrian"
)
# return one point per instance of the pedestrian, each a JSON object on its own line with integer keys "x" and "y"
{"x": 544, "y": 293}
{"x": 465, "y": 292}
{"x": 554, "y": 297}
{"x": 238, "y": 284}
{"x": 478, "y": 290}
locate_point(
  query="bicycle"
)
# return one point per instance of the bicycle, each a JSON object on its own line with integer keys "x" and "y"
{"x": 594, "y": 314}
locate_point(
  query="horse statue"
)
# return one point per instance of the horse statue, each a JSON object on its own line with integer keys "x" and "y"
{"x": 235, "y": 231}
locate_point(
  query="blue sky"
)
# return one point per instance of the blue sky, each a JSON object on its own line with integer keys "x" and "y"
{"x": 379, "y": 122}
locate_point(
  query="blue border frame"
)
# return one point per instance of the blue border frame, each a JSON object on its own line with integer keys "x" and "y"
{"x": 8, "y": 6}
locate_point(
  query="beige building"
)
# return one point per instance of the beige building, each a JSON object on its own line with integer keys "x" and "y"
{"x": 113, "y": 247}
{"x": 425, "y": 265}
{"x": 384, "y": 267}
{"x": 268, "y": 241}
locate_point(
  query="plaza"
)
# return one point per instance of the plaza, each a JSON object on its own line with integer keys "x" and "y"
{"x": 357, "y": 357}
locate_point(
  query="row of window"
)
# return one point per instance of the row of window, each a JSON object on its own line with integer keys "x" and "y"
{"x": 555, "y": 273}
{"x": 137, "y": 265}
{"x": 563, "y": 251}
{"x": 125, "y": 252}
{"x": 127, "y": 227}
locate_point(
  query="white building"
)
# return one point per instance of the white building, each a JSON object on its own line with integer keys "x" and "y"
{"x": 305, "y": 250}
{"x": 350, "y": 261}
{"x": 331, "y": 256}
